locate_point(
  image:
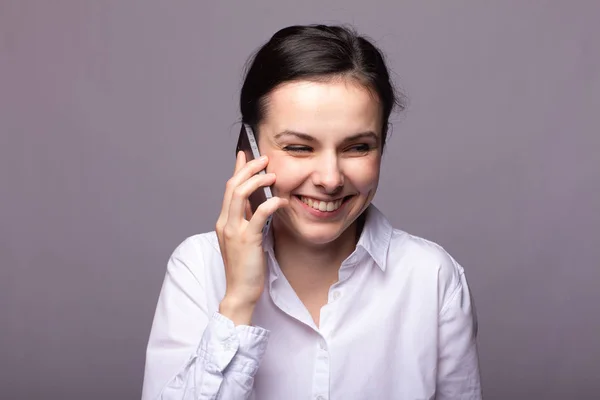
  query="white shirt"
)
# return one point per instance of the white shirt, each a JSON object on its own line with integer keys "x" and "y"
{"x": 399, "y": 324}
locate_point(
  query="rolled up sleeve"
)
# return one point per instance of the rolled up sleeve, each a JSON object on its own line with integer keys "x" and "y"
{"x": 193, "y": 353}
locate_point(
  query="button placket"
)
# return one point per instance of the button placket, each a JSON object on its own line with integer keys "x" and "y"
{"x": 322, "y": 370}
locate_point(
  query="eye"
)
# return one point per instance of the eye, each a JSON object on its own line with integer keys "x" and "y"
{"x": 297, "y": 149}
{"x": 360, "y": 148}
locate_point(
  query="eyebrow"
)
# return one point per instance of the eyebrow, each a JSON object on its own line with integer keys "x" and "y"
{"x": 308, "y": 138}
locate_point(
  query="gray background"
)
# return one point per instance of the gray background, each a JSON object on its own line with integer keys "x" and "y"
{"x": 117, "y": 124}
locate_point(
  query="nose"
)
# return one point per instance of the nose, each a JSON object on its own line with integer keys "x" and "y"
{"x": 328, "y": 174}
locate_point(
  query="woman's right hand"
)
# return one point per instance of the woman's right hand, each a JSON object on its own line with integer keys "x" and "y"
{"x": 240, "y": 239}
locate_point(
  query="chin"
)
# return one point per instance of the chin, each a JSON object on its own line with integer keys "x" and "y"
{"x": 319, "y": 235}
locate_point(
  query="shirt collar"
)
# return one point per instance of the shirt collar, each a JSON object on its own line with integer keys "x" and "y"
{"x": 375, "y": 237}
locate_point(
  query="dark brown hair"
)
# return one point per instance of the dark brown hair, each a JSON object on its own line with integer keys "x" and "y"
{"x": 316, "y": 52}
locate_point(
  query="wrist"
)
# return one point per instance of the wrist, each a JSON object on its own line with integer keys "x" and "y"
{"x": 239, "y": 311}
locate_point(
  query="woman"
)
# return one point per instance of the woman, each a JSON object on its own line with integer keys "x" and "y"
{"x": 330, "y": 302}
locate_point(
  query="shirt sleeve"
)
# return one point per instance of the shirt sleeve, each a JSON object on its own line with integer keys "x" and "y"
{"x": 458, "y": 366}
{"x": 193, "y": 353}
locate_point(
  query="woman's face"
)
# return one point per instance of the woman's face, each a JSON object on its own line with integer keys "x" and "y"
{"x": 323, "y": 140}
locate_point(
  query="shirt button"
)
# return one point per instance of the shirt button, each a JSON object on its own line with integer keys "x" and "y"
{"x": 321, "y": 398}
{"x": 336, "y": 295}
{"x": 322, "y": 345}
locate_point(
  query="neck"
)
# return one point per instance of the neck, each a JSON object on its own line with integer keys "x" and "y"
{"x": 311, "y": 266}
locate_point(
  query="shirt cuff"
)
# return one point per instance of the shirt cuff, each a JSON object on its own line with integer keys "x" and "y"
{"x": 238, "y": 348}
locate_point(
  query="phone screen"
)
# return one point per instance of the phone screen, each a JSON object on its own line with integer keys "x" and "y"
{"x": 248, "y": 144}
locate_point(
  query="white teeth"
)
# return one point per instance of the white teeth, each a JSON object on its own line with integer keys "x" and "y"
{"x": 322, "y": 205}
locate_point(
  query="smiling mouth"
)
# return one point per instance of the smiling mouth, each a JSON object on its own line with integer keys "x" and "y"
{"x": 324, "y": 206}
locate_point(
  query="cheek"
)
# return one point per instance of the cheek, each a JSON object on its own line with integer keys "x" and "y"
{"x": 289, "y": 174}
{"x": 365, "y": 175}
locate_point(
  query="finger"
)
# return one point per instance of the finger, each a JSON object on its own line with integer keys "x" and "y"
{"x": 266, "y": 209}
{"x": 240, "y": 161}
{"x": 248, "y": 211}
{"x": 250, "y": 168}
{"x": 242, "y": 174}
{"x": 241, "y": 194}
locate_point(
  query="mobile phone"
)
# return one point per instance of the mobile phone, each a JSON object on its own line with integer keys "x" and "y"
{"x": 248, "y": 144}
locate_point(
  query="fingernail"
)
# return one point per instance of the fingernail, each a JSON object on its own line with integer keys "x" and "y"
{"x": 263, "y": 158}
